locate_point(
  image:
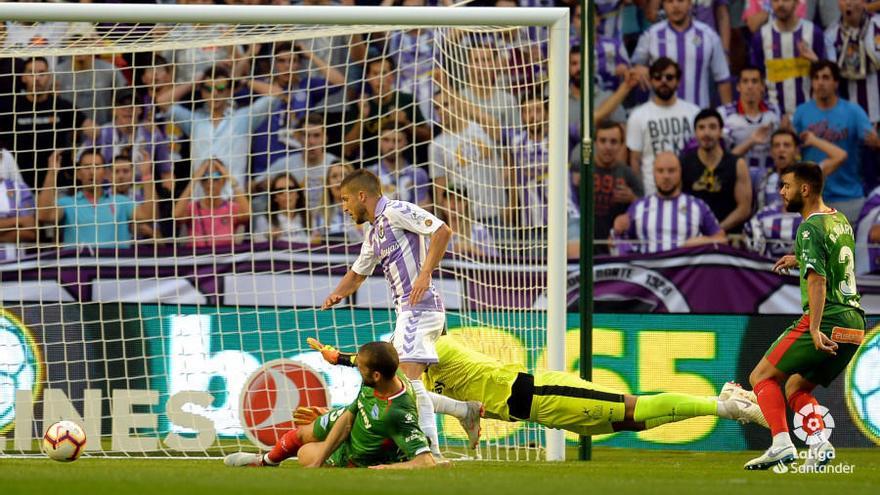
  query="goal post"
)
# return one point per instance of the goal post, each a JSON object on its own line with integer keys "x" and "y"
{"x": 138, "y": 336}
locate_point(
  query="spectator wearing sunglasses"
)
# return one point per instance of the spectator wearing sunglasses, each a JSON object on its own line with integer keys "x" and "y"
{"x": 216, "y": 128}
{"x": 663, "y": 123}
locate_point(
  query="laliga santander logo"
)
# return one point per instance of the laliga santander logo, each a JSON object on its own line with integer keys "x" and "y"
{"x": 272, "y": 393}
{"x": 813, "y": 425}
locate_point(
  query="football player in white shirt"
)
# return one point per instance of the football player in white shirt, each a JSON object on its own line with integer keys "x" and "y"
{"x": 408, "y": 242}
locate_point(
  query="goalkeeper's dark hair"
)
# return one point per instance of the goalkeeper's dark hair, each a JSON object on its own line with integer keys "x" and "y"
{"x": 381, "y": 357}
{"x": 362, "y": 180}
{"x": 808, "y": 172}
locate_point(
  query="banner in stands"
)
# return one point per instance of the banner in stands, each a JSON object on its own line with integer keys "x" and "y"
{"x": 172, "y": 377}
{"x": 714, "y": 280}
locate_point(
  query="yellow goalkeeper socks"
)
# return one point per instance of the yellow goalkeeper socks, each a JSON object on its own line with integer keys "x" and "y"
{"x": 656, "y": 410}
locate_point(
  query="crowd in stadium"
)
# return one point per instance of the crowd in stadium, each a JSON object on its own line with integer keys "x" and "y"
{"x": 698, "y": 105}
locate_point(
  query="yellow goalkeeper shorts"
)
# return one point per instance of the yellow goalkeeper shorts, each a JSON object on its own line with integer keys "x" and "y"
{"x": 565, "y": 401}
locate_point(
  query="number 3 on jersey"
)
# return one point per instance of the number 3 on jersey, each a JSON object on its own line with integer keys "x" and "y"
{"x": 848, "y": 285}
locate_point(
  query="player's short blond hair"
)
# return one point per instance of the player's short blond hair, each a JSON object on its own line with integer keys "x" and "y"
{"x": 362, "y": 180}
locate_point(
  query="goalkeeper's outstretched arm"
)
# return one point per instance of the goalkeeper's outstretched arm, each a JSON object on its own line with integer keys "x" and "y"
{"x": 332, "y": 355}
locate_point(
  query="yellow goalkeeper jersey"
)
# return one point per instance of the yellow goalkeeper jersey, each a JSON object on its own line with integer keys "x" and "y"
{"x": 465, "y": 374}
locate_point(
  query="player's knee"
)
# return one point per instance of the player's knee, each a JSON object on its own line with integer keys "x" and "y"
{"x": 413, "y": 371}
{"x": 755, "y": 376}
{"x": 763, "y": 371}
{"x": 795, "y": 384}
{"x": 307, "y": 454}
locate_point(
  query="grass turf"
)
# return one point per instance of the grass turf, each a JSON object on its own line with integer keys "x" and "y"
{"x": 611, "y": 471}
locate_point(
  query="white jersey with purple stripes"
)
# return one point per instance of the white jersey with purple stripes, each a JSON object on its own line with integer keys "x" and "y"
{"x": 610, "y": 53}
{"x": 787, "y": 72}
{"x": 661, "y": 224}
{"x": 531, "y": 154}
{"x": 771, "y": 232}
{"x": 697, "y": 50}
{"x": 739, "y": 127}
{"x": 767, "y": 189}
{"x": 398, "y": 240}
{"x": 609, "y": 18}
{"x": 857, "y": 53}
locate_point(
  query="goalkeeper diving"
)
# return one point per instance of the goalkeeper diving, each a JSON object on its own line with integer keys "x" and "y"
{"x": 558, "y": 399}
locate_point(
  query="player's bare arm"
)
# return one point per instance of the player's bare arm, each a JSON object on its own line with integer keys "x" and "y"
{"x": 347, "y": 286}
{"x": 439, "y": 241}
{"x": 421, "y": 461}
{"x": 816, "y": 292}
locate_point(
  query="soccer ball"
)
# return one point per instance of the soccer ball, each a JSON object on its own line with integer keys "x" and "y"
{"x": 64, "y": 441}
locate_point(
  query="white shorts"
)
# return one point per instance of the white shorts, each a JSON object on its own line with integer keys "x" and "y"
{"x": 415, "y": 334}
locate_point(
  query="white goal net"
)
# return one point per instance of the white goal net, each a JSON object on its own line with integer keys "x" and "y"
{"x": 171, "y": 217}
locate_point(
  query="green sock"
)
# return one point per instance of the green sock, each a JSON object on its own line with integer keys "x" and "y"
{"x": 656, "y": 410}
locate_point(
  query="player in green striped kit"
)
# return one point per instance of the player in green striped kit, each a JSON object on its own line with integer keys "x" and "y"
{"x": 817, "y": 347}
{"x": 379, "y": 429}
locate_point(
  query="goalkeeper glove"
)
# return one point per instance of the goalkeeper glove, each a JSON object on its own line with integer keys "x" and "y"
{"x": 307, "y": 415}
{"x": 328, "y": 352}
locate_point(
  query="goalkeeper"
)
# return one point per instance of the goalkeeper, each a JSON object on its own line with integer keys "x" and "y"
{"x": 561, "y": 400}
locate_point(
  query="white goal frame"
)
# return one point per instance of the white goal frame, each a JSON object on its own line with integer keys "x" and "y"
{"x": 555, "y": 19}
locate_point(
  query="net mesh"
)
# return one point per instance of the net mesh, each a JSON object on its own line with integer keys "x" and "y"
{"x": 172, "y": 219}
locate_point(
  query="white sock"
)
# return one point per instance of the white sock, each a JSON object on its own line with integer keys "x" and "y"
{"x": 448, "y": 406}
{"x": 781, "y": 439}
{"x": 427, "y": 419}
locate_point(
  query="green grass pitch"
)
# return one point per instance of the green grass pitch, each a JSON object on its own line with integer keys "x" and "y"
{"x": 612, "y": 472}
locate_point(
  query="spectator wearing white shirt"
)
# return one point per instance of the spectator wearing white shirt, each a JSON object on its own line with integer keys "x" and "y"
{"x": 664, "y": 123}
{"x": 217, "y": 129}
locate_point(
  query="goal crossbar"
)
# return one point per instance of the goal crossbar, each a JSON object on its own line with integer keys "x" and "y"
{"x": 264, "y": 14}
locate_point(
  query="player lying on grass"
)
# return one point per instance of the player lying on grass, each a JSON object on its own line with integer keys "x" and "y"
{"x": 379, "y": 429}
{"x": 558, "y": 399}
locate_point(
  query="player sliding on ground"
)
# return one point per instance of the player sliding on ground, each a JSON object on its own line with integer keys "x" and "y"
{"x": 379, "y": 429}
{"x": 819, "y": 345}
{"x": 558, "y": 399}
{"x": 409, "y": 243}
